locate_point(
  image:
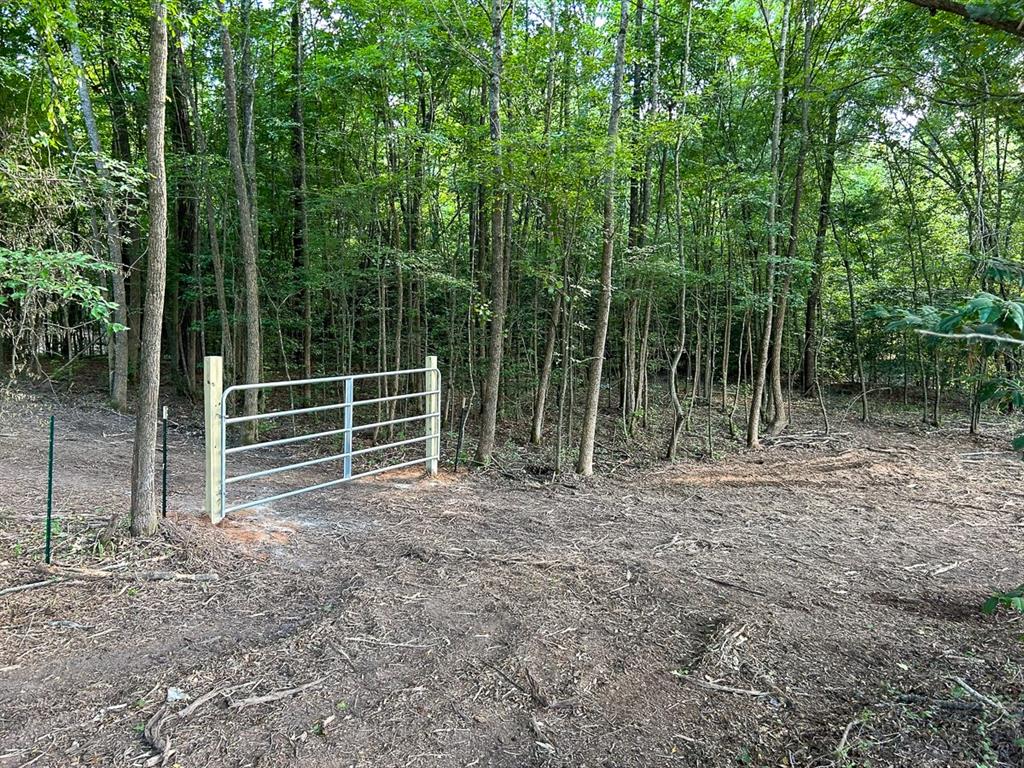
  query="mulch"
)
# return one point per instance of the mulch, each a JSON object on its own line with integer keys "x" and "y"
{"x": 816, "y": 603}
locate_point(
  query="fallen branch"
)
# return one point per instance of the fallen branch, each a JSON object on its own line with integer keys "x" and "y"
{"x": 274, "y": 695}
{"x": 375, "y": 641}
{"x": 841, "y": 749}
{"x": 174, "y": 576}
{"x": 151, "y": 732}
{"x": 988, "y": 702}
{"x": 733, "y": 585}
{"x": 83, "y": 572}
{"x": 30, "y": 585}
{"x": 207, "y": 696}
{"x": 722, "y": 688}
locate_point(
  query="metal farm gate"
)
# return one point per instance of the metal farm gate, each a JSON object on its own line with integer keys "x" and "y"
{"x": 425, "y": 381}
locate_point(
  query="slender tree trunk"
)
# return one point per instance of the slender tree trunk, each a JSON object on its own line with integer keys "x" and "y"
{"x": 119, "y": 373}
{"x": 564, "y": 389}
{"x": 673, "y": 387}
{"x": 854, "y": 326}
{"x": 211, "y": 222}
{"x": 498, "y": 292}
{"x": 143, "y": 503}
{"x": 641, "y": 398}
{"x": 186, "y": 224}
{"x": 544, "y": 377}
{"x": 247, "y": 237}
{"x": 754, "y": 417}
{"x": 813, "y": 307}
{"x": 585, "y": 462}
{"x": 779, "y": 415}
{"x": 300, "y": 251}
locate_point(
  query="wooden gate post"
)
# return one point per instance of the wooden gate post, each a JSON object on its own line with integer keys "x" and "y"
{"x": 433, "y": 406}
{"x": 213, "y": 387}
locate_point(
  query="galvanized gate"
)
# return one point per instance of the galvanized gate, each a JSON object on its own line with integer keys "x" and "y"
{"x": 218, "y": 420}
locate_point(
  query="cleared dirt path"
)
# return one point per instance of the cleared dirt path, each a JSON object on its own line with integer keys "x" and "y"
{"x": 812, "y": 605}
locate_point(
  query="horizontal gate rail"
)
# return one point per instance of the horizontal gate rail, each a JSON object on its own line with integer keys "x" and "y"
{"x": 217, "y": 421}
{"x": 326, "y": 433}
{"x": 321, "y": 486}
{"x": 316, "y": 408}
{"x": 324, "y": 460}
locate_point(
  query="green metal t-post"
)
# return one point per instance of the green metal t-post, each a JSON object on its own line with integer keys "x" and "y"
{"x": 49, "y": 492}
{"x": 164, "y": 486}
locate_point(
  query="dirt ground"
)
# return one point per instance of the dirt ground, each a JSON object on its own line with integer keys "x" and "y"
{"x": 812, "y": 604}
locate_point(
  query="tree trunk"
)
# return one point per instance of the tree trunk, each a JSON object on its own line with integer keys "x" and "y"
{"x": 673, "y": 387}
{"x": 143, "y": 503}
{"x": 585, "y": 462}
{"x": 300, "y": 252}
{"x": 780, "y": 417}
{"x": 119, "y": 372}
{"x": 813, "y": 306}
{"x": 544, "y": 377}
{"x": 186, "y": 224}
{"x": 754, "y": 416}
{"x": 854, "y": 326}
{"x": 247, "y": 237}
{"x": 497, "y": 336}
{"x": 226, "y": 346}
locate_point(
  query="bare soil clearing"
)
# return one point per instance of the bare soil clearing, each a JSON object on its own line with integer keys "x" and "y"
{"x": 816, "y": 604}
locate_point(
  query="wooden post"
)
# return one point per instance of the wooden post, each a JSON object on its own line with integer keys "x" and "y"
{"x": 433, "y": 406}
{"x": 213, "y": 386}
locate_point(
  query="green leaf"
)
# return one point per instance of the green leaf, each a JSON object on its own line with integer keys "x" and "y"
{"x": 1016, "y": 312}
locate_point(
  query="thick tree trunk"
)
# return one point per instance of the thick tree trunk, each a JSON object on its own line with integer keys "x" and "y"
{"x": 143, "y": 503}
{"x": 585, "y": 462}
{"x": 498, "y": 294}
{"x": 247, "y": 236}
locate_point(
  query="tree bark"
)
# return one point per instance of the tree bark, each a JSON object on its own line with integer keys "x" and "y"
{"x": 119, "y": 374}
{"x": 780, "y": 417}
{"x": 673, "y": 387}
{"x": 585, "y": 462}
{"x": 854, "y": 326}
{"x": 247, "y": 237}
{"x": 300, "y": 251}
{"x": 143, "y": 502}
{"x": 754, "y": 416}
{"x": 544, "y": 377}
{"x": 813, "y": 306}
{"x": 226, "y": 345}
{"x": 974, "y": 13}
{"x": 485, "y": 447}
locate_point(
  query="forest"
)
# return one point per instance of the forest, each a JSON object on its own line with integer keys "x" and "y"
{"x": 668, "y": 233}
{"x": 563, "y": 201}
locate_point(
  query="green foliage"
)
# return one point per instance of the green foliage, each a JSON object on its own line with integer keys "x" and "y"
{"x": 58, "y": 277}
{"x": 1014, "y": 600}
{"x": 989, "y": 322}
{"x": 1002, "y": 320}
